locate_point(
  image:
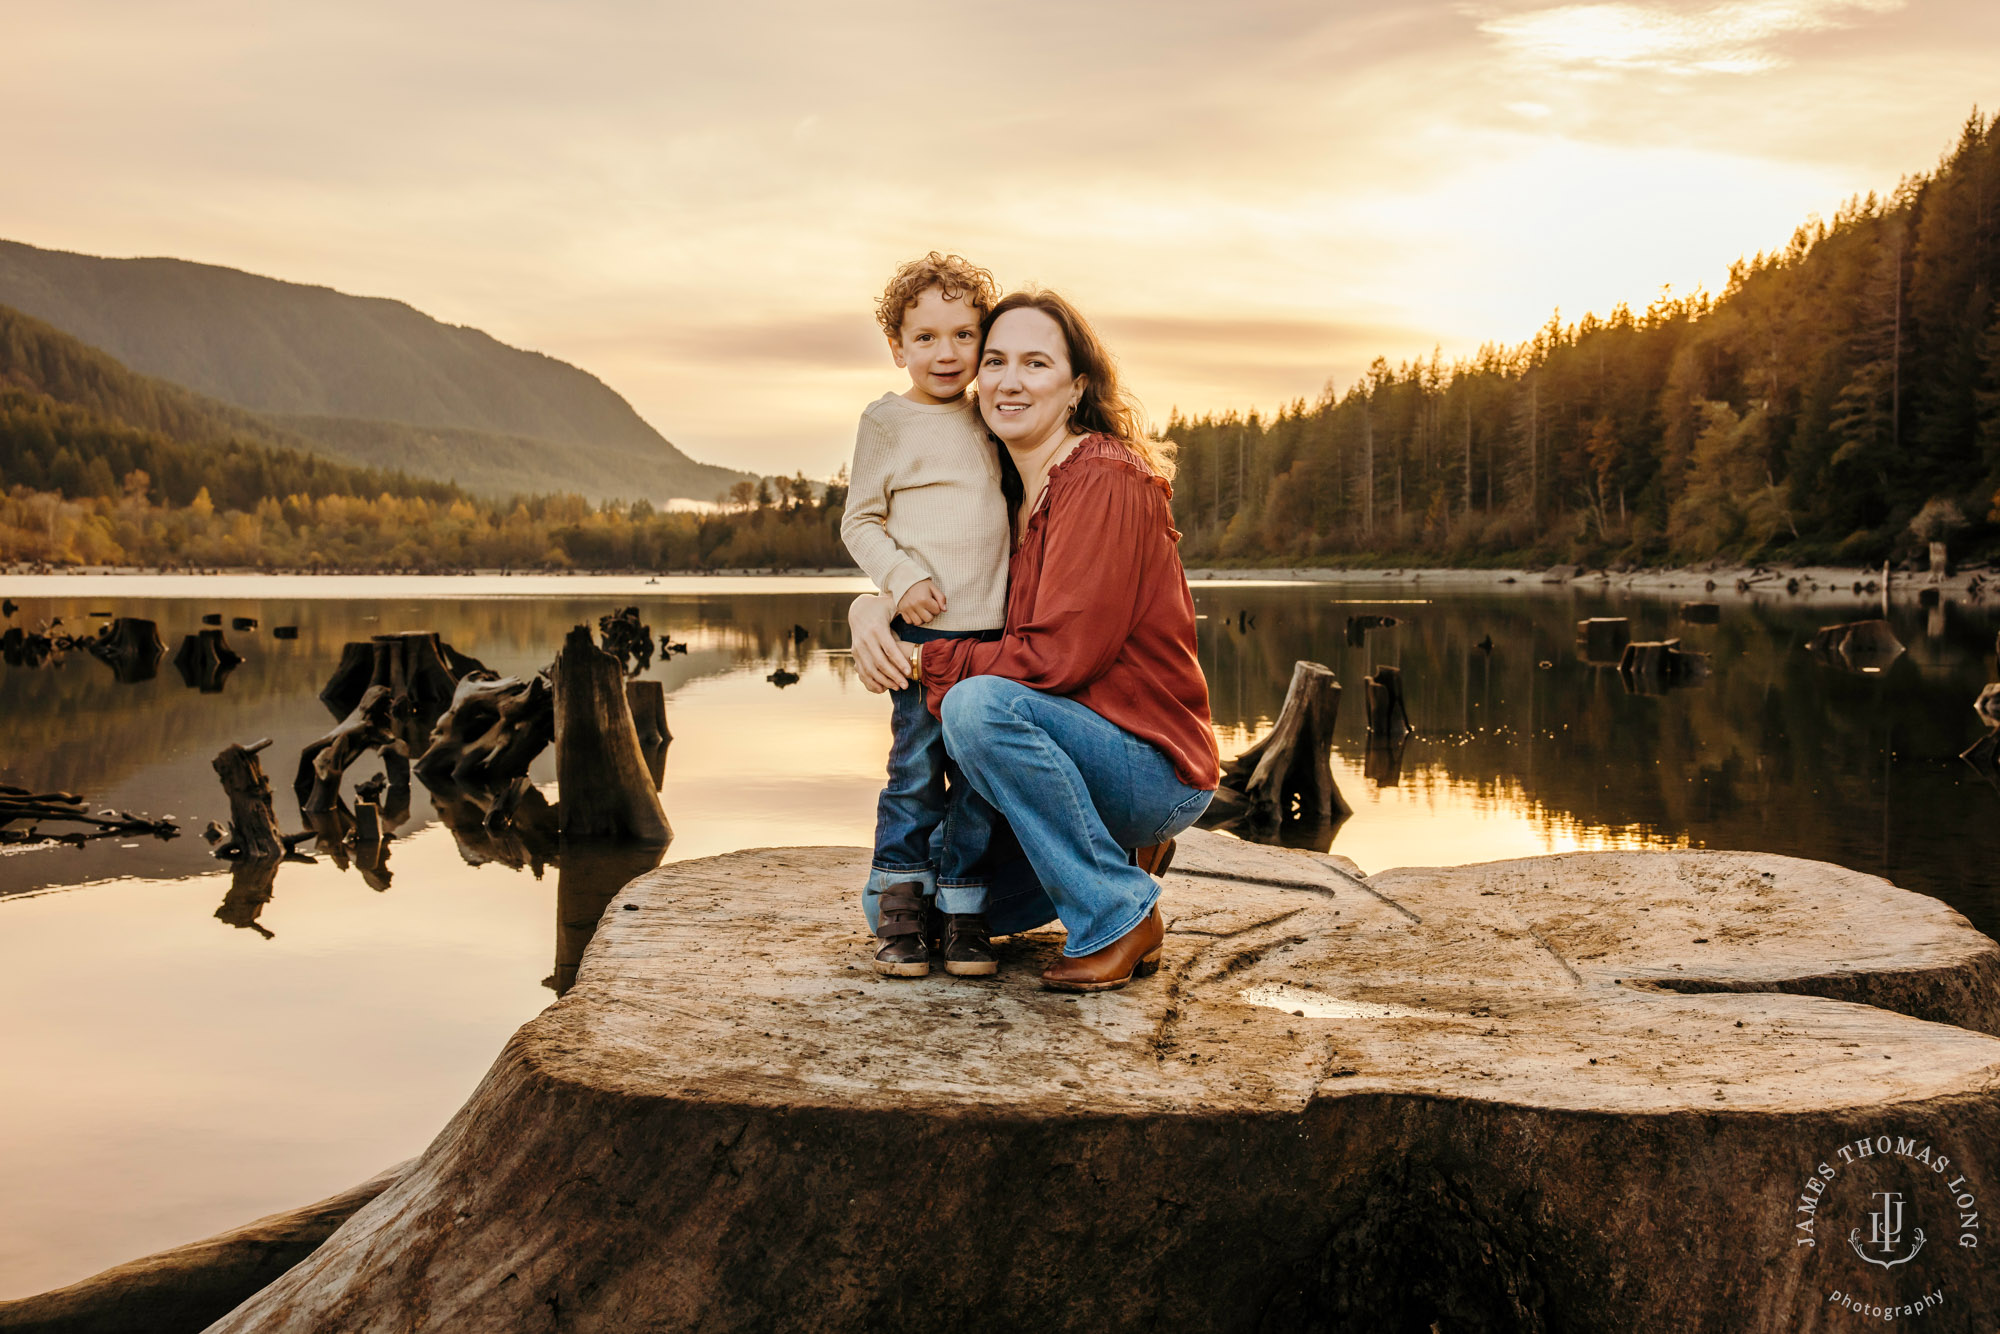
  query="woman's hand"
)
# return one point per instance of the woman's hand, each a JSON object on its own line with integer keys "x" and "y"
{"x": 882, "y": 659}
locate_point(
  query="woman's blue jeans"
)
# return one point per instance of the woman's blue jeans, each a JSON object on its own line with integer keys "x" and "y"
{"x": 1079, "y": 792}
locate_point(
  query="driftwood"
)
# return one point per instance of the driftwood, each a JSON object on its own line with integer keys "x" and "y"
{"x": 243, "y": 623}
{"x": 20, "y": 804}
{"x": 607, "y": 790}
{"x": 1984, "y": 754}
{"x": 627, "y": 639}
{"x": 1701, "y": 613}
{"x": 211, "y": 618}
{"x": 495, "y": 728}
{"x": 1653, "y": 667}
{"x": 132, "y": 647}
{"x": 321, "y": 764}
{"x": 648, "y": 702}
{"x": 253, "y": 826}
{"x": 1388, "y": 715}
{"x": 1861, "y": 646}
{"x": 670, "y": 646}
{"x": 1604, "y": 638}
{"x": 284, "y": 632}
{"x": 1282, "y": 788}
{"x": 783, "y": 677}
{"x": 204, "y": 660}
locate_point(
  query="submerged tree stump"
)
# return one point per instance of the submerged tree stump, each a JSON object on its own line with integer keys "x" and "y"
{"x": 1859, "y": 646}
{"x": 1604, "y": 638}
{"x": 1285, "y": 782}
{"x": 416, "y": 665}
{"x": 607, "y": 789}
{"x": 1492, "y": 1097}
{"x": 253, "y": 825}
{"x": 204, "y": 661}
{"x": 1654, "y": 667}
{"x": 648, "y": 702}
{"x": 1388, "y": 715}
{"x": 131, "y": 646}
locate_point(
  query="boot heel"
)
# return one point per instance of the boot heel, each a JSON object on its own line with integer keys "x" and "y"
{"x": 1147, "y": 966}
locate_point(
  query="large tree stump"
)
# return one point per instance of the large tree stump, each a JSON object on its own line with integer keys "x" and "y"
{"x": 253, "y": 825}
{"x": 627, "y": 639}
{"x": 323, "y": 763}
{"x": 416, "y": 665}
{"x": 1284, "y": 784}
{"x": 607, "y": 790}
{"x": 131, "y": 646}
{"x": 205, "y": 660}
{"x": 1495, "y": 1097}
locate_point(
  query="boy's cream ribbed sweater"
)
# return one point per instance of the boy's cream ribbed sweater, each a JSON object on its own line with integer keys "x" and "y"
{"x": 924, "y": 501}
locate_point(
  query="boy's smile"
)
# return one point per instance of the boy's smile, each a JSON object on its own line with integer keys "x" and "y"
{"x": 939, "y": 346}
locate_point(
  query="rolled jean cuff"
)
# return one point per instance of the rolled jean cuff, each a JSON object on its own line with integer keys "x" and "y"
{"x": 1077, "y": 949}
{"x": 961, "y": 896}
{"x": 881, "y": 877}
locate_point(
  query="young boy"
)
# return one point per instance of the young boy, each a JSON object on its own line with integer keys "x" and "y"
{"x": 926, "y": 521}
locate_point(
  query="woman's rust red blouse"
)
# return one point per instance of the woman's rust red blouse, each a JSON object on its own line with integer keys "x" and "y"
{"x": 1098, "y": 610}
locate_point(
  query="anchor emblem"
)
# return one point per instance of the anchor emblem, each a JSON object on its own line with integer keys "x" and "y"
{"x": 1885, "y": 1232}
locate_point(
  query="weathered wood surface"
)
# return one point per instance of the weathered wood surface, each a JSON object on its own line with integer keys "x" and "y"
{"x": 607, "y": 788}
{"x": 1655, "y": 666}
{"x": 493, "y": 731}
{"x": 323, "y": 763}
{"x": 253, "y": 824}
{"x": 1388, "y": 715}
{"x": 1286, "y": 780}
{"x": 1572, "y": 1093}
{"x": 1604, "y": 638}
{"x": 184, "y": 1290}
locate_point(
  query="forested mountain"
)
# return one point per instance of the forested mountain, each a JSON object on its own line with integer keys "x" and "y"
{"x": 102, "y": 466}
{"x": 74, "y": 421}
{"x": 1838, "y": 401}
{"x": 363, "y": 379}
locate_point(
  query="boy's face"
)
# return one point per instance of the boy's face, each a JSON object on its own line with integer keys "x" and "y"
{"x": 939, "y": 346}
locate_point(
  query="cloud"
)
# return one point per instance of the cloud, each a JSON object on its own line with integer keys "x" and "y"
{"x": 1738, "y": 37}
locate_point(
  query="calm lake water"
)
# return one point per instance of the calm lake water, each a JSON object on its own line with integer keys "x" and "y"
{"x": 180, "y": 1059}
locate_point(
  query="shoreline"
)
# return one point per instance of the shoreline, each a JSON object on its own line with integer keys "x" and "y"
{"x": 1714, "y": 582}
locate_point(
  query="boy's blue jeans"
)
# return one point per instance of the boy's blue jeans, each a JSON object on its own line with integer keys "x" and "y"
{"x": 925, "y": 830}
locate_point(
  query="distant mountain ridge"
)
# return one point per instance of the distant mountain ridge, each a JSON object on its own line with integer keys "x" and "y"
{"x": 364, "y": 379}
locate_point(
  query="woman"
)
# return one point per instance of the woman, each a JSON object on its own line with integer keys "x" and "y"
{"x": 1086, "y": 724}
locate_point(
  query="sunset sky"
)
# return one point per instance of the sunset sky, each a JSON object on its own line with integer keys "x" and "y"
{"x": 699, "y": 204}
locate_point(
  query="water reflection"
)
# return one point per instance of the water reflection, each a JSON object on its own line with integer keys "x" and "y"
{"x": 347, "y": 1006}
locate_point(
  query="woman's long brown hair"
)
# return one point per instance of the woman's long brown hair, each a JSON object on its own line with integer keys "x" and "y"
{"x": 1105, "y": 407}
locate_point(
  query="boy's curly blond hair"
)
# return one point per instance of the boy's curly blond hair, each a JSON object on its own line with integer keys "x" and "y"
{"x": 955, "y": 277}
